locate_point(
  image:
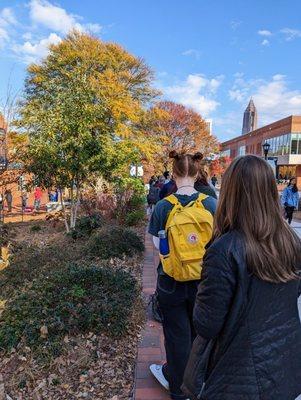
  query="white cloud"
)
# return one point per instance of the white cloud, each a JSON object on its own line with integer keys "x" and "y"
{"x": 265, "y": 42}
{"x": 196, "y": 92}
{"x": 7, "y": 19}
{"x": 235, "y": 24}
{"x": 291, "y": 34}
{"x": 53, "y": 17}
{"x": 27, "y": 36}
{"x": 56, "y": 18}
{"x": 48, "y": 23}
{"x": 273, "y": 98}
{"x": 192, "y": 52}
{"x": 3, "y": 36}
{"x": 8, "y": 16}
{"x": 32, "y": 51}
{"x": 264, "y": 32}
{"x": 94, "y": 28}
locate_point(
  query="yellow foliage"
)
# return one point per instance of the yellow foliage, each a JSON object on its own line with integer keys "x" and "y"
{"x": 4, "y": 259}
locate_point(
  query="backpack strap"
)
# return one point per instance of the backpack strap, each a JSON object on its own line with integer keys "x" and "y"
{"x": 172, "y": 199}
{"x": 198, "y": 201}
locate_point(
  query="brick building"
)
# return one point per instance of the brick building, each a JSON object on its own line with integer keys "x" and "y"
{"x": 284, "y": 137}
{"x": 19, "y": 180}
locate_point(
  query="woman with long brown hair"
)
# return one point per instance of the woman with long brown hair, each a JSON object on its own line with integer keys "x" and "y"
{"x": 246, "y": 313}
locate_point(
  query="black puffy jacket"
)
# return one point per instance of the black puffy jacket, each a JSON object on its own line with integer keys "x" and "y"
{"x": 256, "y": 327}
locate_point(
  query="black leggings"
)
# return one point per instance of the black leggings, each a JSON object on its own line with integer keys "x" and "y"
{"x": 289, "y": 213}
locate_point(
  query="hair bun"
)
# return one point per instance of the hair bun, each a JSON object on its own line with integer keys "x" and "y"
{"x": 197, "y": 156}
{"x": 173, "y": 154}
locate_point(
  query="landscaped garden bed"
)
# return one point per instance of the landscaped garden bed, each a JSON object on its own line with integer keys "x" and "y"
{"x": 70, "y": 311}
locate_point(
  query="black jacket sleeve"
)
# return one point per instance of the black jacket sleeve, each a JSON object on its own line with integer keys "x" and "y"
{"x": 215, "y": 294}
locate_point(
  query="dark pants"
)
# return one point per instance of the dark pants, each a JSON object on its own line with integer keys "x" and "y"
{"x": 176, "y": 300}
{"x": 289, "y": 213}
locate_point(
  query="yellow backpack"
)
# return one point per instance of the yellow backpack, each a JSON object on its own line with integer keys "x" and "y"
{"x": 189, "y": 229}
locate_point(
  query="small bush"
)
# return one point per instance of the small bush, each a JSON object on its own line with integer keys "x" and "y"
{"x": 115, "y": 242}
{"x": 130, "y": 196}
{"x": 86, "y": 225}
{"x": 137, "y": 201}
{"x": 73, "y": 301}
{"x": 134, "y": 217}
{"x": 35, "y": 228}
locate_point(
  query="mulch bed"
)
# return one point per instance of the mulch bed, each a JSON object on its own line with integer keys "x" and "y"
{"x": 92, "y": 366}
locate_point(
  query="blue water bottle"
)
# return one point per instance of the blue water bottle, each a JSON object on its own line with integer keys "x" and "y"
{"x": 163, "y": 243}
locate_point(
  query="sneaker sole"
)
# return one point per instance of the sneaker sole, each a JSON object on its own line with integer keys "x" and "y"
{"x": 162, "y": 383}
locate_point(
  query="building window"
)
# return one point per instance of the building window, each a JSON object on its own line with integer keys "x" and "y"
{"x": 225, "y": 153}
{"x": 294, "y": 143}
{"x": 242, "y": 150}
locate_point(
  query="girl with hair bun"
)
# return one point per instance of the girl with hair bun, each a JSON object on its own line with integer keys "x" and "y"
{"x": 176, "y": 298}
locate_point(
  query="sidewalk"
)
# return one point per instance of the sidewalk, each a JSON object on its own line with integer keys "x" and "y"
{"x": 151, "y": 349}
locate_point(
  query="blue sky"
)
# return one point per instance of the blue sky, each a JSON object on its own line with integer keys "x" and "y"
{"x": 209, "y": 55}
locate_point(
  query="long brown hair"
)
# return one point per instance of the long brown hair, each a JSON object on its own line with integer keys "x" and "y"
{"x": 185, "y": 164}
{"x": 249, "y": 202}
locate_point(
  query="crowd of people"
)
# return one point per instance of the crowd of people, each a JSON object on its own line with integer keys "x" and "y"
{"x": 164, "y": 185}
{"x": 228, "y": 282}
{"x": 6, "y": 200}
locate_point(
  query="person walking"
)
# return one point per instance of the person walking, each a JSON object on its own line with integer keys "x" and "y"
{"x": 24, "y": 198}
{"x": 153, "y": 195}
{"x": 190, "y": 214}
{"x": 290, "y": 199}
{"x": 214, "y": 180}
{"x": 169, "y": 186}
{"x": 9, "y": 200}
{"x": 37, "y": 198}
{"x": 1, "y": 208}
{"x": 246, "y": 315}
{"x": 202, "y": 185}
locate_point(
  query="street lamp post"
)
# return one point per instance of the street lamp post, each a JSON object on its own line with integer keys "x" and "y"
{"x": 266, "y": 147}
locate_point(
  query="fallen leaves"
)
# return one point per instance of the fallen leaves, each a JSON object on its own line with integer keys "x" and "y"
{"x": 91, "y": 367}
{"x": 44, "y": 332}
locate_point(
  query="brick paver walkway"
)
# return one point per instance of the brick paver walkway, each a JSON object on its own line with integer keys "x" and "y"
{"x": 151, "y": 349}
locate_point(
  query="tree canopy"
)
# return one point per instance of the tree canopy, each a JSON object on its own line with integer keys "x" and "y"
{"x": 82, "y": 106}
{"x": 179, "y": 128}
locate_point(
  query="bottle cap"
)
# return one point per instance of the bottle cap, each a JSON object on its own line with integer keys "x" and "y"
{"x": 162, "y": 234}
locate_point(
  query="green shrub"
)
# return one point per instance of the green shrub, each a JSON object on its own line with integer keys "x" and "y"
{"x": 35, "y": 228}
{"x": 86, "y": 225}
{"x": 115, "y": 242}
{"x": 134, "y": 217}
{"x": 137, "y": 201}
{"x": 72, "y": 301}
{"x": 130, "y": 196}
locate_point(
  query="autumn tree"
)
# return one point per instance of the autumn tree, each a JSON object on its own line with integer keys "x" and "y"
{"x": 11, "y": 143}
{"x": 177, "y": 127}
{"x": 81, "y": 110}
{"x": 219, "y": 165}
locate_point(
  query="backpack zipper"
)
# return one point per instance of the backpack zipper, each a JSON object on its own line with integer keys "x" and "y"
{"x": 200, "y": 394}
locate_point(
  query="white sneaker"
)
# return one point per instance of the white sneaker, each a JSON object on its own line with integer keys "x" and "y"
{"x": 156, "y": 370}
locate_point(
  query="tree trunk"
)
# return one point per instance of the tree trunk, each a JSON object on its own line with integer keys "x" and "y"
{"x": 64, "y": 212}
